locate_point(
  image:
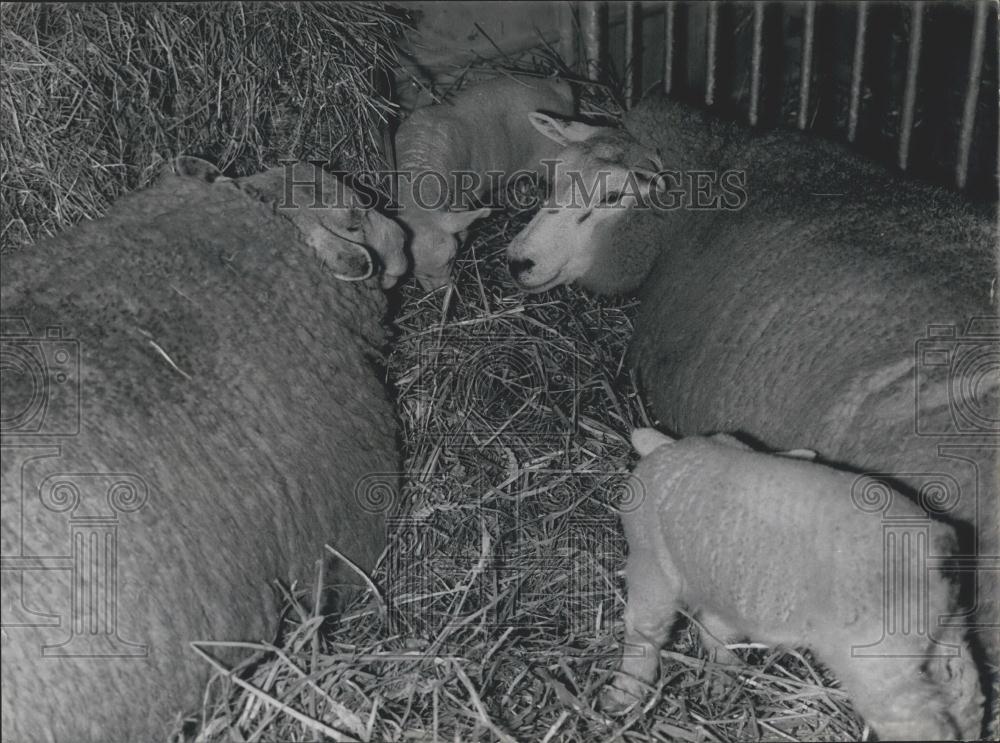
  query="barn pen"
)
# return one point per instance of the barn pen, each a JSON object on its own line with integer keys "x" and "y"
{"x": 495, "y": 612}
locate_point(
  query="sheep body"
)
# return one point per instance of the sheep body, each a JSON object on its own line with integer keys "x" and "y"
{"x": 775, "y": 548}
{"x": 809, "y": 318}
{"x": 225, "y": 377}
{"x": 483, "y": 129}
{"x": 803, "y": 317}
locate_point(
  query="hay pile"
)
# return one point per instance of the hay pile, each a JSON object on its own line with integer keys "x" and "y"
{"x": 96, "y": 96}
{"x": 496, "y": 613}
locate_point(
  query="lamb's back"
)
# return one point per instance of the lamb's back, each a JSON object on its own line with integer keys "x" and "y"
{"x": 775, "y": 545}
{"x": 484, "y": 127}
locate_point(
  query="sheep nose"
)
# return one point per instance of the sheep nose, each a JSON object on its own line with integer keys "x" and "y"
{"x": 517, "y": 267}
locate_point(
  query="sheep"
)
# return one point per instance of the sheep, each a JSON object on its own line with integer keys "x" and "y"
{"x": 793, "y": 553}
{"x": 819, "y": 301}
{"x": 209, "y": 413}
{"x": 481, "y": 130}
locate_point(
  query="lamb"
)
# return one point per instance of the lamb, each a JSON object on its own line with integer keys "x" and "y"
{"x": 794, "y": 553}
{"x": 482, "y": 130}
{"x": 185, "y": 382}
{"x": 818, "y": 301}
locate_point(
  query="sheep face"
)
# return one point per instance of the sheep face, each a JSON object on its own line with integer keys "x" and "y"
{"x": 482, "y": 132}
{"x": 600, "y": 176}
{"x": 434, "y": 240}
{"x": 334, "y": 221}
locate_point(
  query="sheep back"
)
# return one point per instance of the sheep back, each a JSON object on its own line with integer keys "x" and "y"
{"x": 225, "y": 383}
{"x": 793, "y": 553}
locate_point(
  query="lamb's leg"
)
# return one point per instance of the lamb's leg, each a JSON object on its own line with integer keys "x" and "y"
{"x": 958, "y": 682}
{"x": 714, "y": 638}
{"x": 913, "y": 698}
{"x": 652, "y": 607}
{"x": 716, "y": 633}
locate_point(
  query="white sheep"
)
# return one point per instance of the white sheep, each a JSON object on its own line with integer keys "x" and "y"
{"x": 796, "y": 293}
{"x": 209, "y": 420}
{"x": 482, "y": 129}
{"x": 793, "y": 553}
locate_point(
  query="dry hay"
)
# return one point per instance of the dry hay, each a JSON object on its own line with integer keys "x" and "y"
{"x": 497, "y": 612}
{"x": 96, "y": 97}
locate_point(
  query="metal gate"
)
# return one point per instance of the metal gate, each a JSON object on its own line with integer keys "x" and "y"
{"x": 912, "y": 83}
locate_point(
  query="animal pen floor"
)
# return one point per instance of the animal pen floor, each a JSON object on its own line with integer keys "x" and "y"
{"x": 496, "y": 612}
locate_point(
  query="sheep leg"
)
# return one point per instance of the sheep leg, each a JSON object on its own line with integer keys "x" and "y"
{"x": 652, "y": 608}
{"x": 717, "y": 632}
{"x": 913, "y": 698}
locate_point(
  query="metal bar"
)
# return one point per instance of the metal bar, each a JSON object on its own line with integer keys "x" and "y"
{"x": 856, "y": 70}
{"x": 912, "y": 71}
{"x": 568, "y": 35}
{"x": 668, "y": 47}
{"x": 755, "y": 60}
{"x": 712, "y": 32}
{"x": 593, "y": 26}
{"x": 971, "y": 93}
{"x": 633, "y": 52}
{"x": 805, "y": 81}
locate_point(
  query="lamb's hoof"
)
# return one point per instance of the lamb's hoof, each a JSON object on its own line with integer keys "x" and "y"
{"x": 624, "y": 693}
{"x": 722, "y": 684}
{"x": 433, "y": 282}
{"x": 724, "y": 678}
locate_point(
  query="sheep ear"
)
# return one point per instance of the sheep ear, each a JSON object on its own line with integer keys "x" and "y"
{"x": 807, "y": 454}
{"x": 645, "y": 440}
{"x": 564, "y": 132}
{"x": 348, "y": 261}
{"x": 728, "y": 440}
{"x": 386, "y": 238}
{"x": 459, "y": 221}
{"x": 655, "y": 160}
{"x": 649, "y": 166}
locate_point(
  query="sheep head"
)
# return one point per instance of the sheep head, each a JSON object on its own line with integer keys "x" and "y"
{"x": 600, "y": 177}
{"x": 335, "y": 221}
